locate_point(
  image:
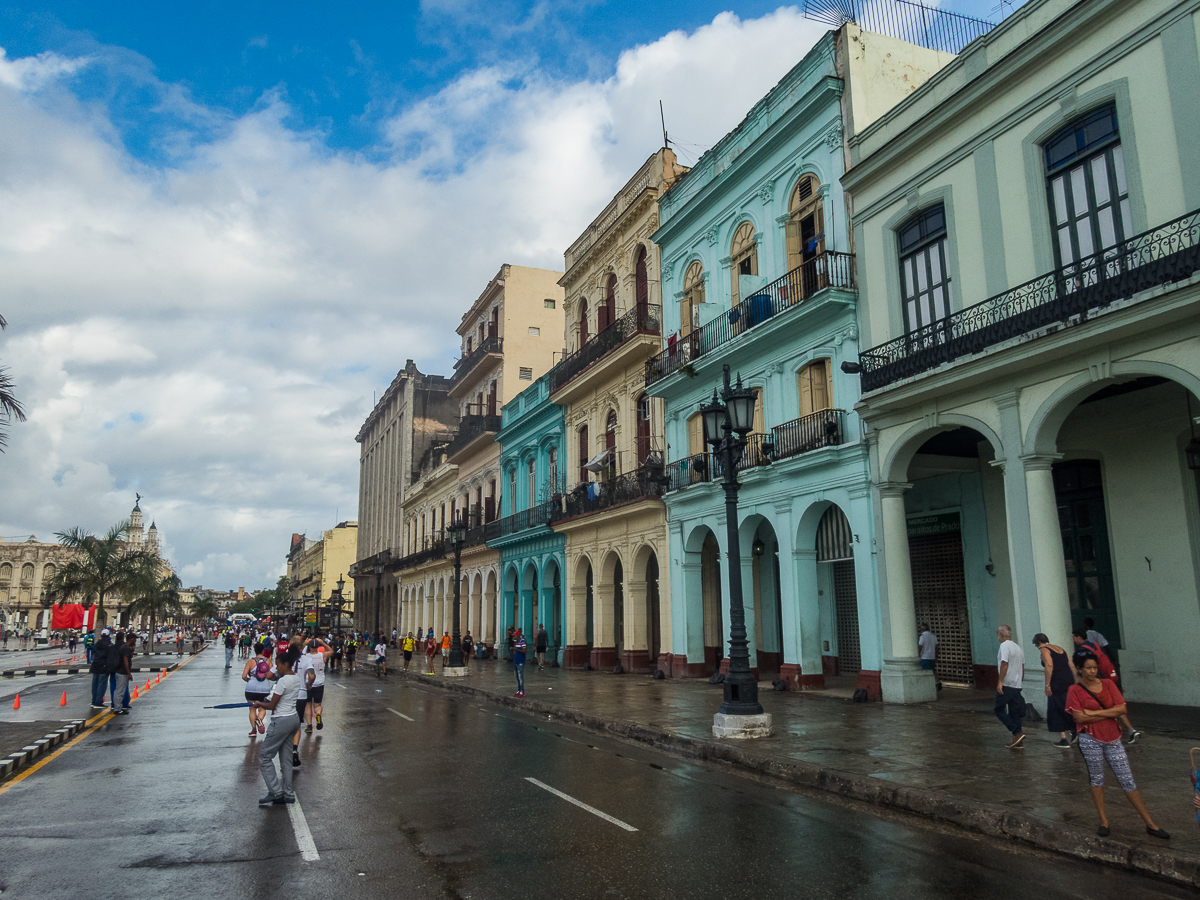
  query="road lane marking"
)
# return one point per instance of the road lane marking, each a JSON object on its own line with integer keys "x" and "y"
{"x": 400, "y": 714}
{"x": 342, "y": 686}
{"x": 595, "y": 812}
{"x": 304, "y": 838}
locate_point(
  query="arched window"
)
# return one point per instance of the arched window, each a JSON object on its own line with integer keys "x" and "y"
{"x": 531, "y": 475}
{"x": 552, "y": 470}
{"x": 641, "y": 283}
{"x": 643, "y": 428}
{"x": 924, "y": 276}
{"x": 6, "y": 571}
{"x": 693, "y": 296}
{"x": 607, "y": 313}
{"x": 512, "y": 491}
{"x": 610, "y": 441}
{"x": 583, "y": 321}
{"x": 27, "y": 572}
{"x": 805, "y": 229}
{"x": 816, "y": 387}
{"x": 743, "y": 255}
{"x": 584, "y": 449}
{"x": 1088, "y": 194}
{"x": 48, "y": 572}
{"x": 489, "y": 511}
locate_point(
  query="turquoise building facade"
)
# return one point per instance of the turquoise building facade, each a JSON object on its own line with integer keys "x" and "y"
{"x": 758, "y": 274}
{"x": 532, "y": 556}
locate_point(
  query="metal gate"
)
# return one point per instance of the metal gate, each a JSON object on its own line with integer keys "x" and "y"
{"x": 940, "y": 596}
{"x": 845, "y": 608}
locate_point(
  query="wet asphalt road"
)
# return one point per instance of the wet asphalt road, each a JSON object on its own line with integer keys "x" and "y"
{"x": 412, "y": 792}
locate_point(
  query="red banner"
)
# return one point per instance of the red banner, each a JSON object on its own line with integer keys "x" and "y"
{"x": 67, "y": 615}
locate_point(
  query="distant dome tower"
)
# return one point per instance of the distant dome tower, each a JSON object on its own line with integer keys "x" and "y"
{"x": 152, "y": 539}
{"x": 134, "y": 537}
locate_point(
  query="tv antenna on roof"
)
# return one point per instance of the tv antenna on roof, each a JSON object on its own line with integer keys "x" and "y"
{"x": 663, "y": 119}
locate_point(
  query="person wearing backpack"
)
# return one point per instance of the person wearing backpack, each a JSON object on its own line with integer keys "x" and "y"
{"x": 104, "y": 664}
{"x": 257, "y": 675}
{"x": 1107, "y": 671}
{"x": 89, "y": 644}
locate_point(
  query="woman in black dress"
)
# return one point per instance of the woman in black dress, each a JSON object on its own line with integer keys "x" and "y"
{"x": 1060, "y": 676}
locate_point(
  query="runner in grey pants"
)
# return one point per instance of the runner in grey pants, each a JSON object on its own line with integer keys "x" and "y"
{"x": 284, "y": 723}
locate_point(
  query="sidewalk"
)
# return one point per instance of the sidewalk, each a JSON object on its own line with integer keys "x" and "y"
{"x": 945, "y": 760}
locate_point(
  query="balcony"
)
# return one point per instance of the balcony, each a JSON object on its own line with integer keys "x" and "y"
{"x": 436, "y": 550}
{"x": 470, "y": 429}
{"x": 491, "y": 346}
{"x": 793, "y": 290}
{"x": 826, "y": 428}
{"x": 599, "y": 495}
{"x": 1067, "y": 296}
{"x": 644, "y": 318}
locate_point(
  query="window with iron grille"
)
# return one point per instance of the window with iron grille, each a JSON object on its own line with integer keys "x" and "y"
{"x": 924, "y": 276}
{"x": 525, "y": 373}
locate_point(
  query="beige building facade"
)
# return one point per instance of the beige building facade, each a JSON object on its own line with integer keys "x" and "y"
{"x": 614, "y": 520}
{"x": 314, "y": 568}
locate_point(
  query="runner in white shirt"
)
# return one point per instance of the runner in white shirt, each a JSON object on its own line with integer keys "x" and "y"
{"x": 318, "y": 654}
{"x": 284, "y": 721}
{"x": 380, "y": 659}
{"x": 303, "y": 666}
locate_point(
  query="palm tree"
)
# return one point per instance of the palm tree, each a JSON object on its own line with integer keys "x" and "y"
{"x": 101, "y": 567}
{"x": 205, "y": 607}
{"x": 10, "y": 406}
{"x": 159, "y": 597}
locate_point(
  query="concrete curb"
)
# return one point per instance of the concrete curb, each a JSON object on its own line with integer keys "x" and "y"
{"x": 984, "y": 818}
{"x": 75, "y": 670}
{"x": 14, "y": 762}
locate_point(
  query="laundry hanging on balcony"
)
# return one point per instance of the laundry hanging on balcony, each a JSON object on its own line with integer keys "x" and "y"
{"x": 599, "y": 462}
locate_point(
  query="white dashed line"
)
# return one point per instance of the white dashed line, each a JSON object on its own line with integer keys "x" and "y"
{"x": 401, "y": 715}
{"x": 595, "y": 812}
{"x": 304, "y": 838}
{"x": 342, "y": 686}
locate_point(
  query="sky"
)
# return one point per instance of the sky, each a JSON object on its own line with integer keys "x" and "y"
{"x": 225, "y": 227}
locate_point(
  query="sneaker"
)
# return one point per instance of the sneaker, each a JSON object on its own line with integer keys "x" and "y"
{"x": 1017, "y": 743}
{"x": 295, "y": 760}
{"x": 262, "y": 729}
{"x": 520, "y": 693}
{"x": 320, "y": 724}
{"x": 308, "y": 729}
{"x": 268, "y": 800}
{"x": 253, "y": 732}
{"x": 286, "y": 799}
{"x": 1134, "y": 735}
{"x": 1063, "y": 742}
{"x": 1075, "y": 737}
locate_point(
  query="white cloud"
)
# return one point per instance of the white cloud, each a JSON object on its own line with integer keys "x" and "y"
{"x": 210, "y": 333}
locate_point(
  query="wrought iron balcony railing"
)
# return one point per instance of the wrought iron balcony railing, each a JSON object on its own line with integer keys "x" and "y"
{"x": 490, "y": 344}
{"x": 644, "y": 318}
{"x": 1069, "y": 294}
{"x": 471, "y": 427}
{"x": 436, "y": 550}
{"x": 539, "y": 514}
{"x": 827, "y": 270}
{"x": 598, "y": 495}
{"x": 826, "y": 428}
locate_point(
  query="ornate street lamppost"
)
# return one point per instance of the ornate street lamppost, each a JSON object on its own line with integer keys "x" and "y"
{"x": 340, "y": 602}
{"x": 457, "y": 534}
{"x": 726, "y": 425}
{"x": 317, "y": 623}
{"x": 378, "y": 590}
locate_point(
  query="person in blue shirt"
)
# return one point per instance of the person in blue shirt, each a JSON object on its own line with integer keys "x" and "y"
{"x": 519, "y": 646}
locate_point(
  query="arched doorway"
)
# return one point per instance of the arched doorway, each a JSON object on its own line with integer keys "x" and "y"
{"x": 510, "y": 601}
{"x": 579, "y": 638}
{"x": 767, "y": 602}
{"x": 714, "y": 603}
{"x": 551, "y": 605}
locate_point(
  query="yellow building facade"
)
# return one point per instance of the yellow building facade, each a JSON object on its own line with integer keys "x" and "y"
{"x": 314, "y": 568}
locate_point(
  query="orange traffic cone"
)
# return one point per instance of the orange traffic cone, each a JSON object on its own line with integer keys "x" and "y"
{"x": 59, "y": 663}
{"x": 63, "y": 701}
{"x": 158, "y": 678}
{"x": 134, "y": 697}
{"x": 17, "y": 702}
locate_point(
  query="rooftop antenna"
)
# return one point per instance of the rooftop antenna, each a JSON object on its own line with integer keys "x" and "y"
{"x": 663, "y": 119}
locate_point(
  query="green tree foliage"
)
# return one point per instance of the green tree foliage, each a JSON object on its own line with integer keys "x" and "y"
{"x": 102, "y": 566}
{"x": 158, "y": 597}
{"x": 205, "y": 607}
{"x": 10, "y": 406}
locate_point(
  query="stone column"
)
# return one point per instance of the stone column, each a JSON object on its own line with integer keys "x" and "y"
{"x": 902, "y": 679}
{"x": 575, "y": 653}
{"x": 604, "y": 646}
{"x": 635, "y": 656}
{"x": 1049, "y": 571}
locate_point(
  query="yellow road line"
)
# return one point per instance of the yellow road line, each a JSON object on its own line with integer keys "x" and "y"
{"x": 92, "y": 724}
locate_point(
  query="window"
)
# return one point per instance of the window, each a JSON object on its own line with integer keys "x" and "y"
{"x": 583, "y": 321}
{"x": 743, "y": 256}
{"x": 607, "y": 313}
{"x": 552, "y": 467}
{"x": 583, "y": 453}
{"x": 549, "y": 302}
{"x": 816, "y": 389}
{"x": 643, "y": 428}
{"x": 1088, "y": 194}
{"x": 534, "y": 331}
{"x": 525, "y": 373}
{"x": 27, "y": 572}
{"x": 470, "y": 346}
{"x": 531, "y": 476}
{"x": 693, "y": 296}
{"x": 512, "y": 490}
{"x": 6, "y": 571}
{"x": 641, "y": 282}
{"x": 924, "y": 276}
{"x": 805, "y": 229}
{"x": 696, "y": 435}
{"x": 610, "y": 441}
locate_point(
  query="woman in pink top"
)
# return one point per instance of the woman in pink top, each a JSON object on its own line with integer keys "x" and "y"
{"x": 1095, "y": 704}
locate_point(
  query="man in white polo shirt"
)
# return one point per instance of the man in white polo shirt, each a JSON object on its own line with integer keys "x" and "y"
{"x": 1010, "y": 703}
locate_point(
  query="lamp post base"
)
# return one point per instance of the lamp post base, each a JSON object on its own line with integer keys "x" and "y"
{"x": 455, "y": 671}
{"x": 742, "y": 727}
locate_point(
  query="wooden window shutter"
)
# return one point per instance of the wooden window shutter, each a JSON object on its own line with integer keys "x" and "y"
{"x": 759, "y": 419}
{"x": 695, "y": 434}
